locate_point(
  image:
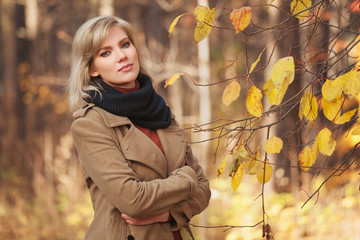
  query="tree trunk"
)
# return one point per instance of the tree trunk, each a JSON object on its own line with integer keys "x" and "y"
{"x": 8, "y": 95}
{"x": 204, "y": 109}
{"x": 106, "y": 7}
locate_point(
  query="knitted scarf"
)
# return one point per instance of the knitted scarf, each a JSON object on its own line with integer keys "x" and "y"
{"x": 143, "y": 107}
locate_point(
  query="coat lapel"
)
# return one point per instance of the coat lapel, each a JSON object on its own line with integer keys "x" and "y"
{"x": 135, "y": 145}
{"x": 173, "y": 141}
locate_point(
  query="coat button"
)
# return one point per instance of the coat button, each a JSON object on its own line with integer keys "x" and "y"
{"x": 130, "y": 237}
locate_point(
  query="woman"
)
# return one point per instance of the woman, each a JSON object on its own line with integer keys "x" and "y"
{"x": 143, "y": 179}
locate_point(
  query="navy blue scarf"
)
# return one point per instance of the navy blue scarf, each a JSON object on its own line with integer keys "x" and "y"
{"x": 143, "y": 107}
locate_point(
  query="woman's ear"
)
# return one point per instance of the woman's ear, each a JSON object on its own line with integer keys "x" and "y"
{"x": 93, "y": 72}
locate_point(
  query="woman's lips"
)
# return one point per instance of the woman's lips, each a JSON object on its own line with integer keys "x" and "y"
{"x": 126, "y": 68}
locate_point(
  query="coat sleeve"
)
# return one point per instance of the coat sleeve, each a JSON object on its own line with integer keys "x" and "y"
{"x": 104, "y": 163}
{"x": 199, "y": 200}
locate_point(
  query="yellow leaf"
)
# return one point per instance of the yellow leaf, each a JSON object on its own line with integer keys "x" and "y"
{"x": 240, "y": 152}
{"x": 284, "y": 68}
{"x": 253, "y": 165}
{"x": 268, "y": 87}
{"x": 332, "y": 111}
{"x": 172, "y": 80}
{"x": 256, "y": 62}
{"x": 356, "y": 131}
{"x": 173, "y": 24}
{"x": 253, "y": 101}
{"x": 307, "y": 158}
{"x": 273, "y": 145}
{"x": 241, "y": 18}
{"x": 278, "y": 92}
{"x": 298, "y": 6}
{"x": 303, "y": 102}
{"x": 201, "y": 13}
{"x": 325, "y": 142}
{"x": 308, "y": 106}
{"x": 231, "y": 93}
{"x": 236, "y": 179}
{"x": 203, "y": 29}
{"x": 222, "y": 166}
{"x": 268, "y": 173}
{"x": 332, "y": 90}
{"x": 282, "y": 75}
{"x": 351, "y": 83}
{"x": 311, "y": 108}
{"x": 233, "y": 167}
{"x": 345, "y": 117}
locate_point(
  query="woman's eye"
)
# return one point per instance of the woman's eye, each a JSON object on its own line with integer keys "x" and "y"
{"x": 125, "y": 45}
{"x": 105, "y": 54}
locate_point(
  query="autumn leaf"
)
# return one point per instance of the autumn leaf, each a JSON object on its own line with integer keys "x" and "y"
{"x": 268, "y": 173}
{"x": 332, "y": 90}
{"x": 203, "y": 29}
{"x": 233, "y": 167}
{"x": 303, "y": 102}
{"x": 325, "y": 142}
{"x": 350, "y": 83}
{"x": 201, "y": 13}
{"x": 273, "y": 145}
{"x": 236, "y": 179}
{"x": 268, "y": 87}
{"x": 298, "y": 6}
{"x": 354, "y": 7}
{"x": 282, "y": 75}
{"x": 278, "y": 92}
{"x": 173, "y": 24}
{"x": 241, "y": 18}
{"x": 307, "y": 158}
{"x": 284, "y": 68}
{"x": 345, "y": 117}
{"x": 308, "y": 106}
{"x": 332, "y": 111}
{"x": 172, "y": 80}
{"x": 256, "y": 62}
{"x": 222, "y": 166}
{"x": 356, "y": 131}
{"x": 240, "y": 152}
{"x": 253, "y": 101}
{"x": 253, "y": 165}
{"x": 231, "y": 93}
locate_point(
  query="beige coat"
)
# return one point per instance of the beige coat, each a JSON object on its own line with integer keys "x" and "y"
{"x": 127, "y": 173}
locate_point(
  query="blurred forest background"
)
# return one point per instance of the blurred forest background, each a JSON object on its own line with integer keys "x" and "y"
{"x": 42, "y": 190}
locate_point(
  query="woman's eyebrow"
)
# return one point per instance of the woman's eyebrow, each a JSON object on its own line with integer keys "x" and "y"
{"x": 109, "y": 47}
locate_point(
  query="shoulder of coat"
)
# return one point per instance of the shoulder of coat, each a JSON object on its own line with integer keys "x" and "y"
{"x": 82, "y": 111}
{"x": 98, "y": 114}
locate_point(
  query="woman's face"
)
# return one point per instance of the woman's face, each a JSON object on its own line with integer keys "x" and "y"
{"x": 117, "y": 60}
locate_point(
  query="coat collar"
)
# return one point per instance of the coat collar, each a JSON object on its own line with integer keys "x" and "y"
{"x": 173, "y": 141}
{"x": 110, "y": 119}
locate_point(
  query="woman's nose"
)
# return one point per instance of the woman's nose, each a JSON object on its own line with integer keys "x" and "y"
{"x": 121, "y": 55}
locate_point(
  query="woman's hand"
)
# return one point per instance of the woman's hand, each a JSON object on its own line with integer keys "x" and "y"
{"x": 148, "y": 220}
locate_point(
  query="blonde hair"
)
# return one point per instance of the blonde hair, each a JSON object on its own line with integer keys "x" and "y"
{"x": 85, "y": 45}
